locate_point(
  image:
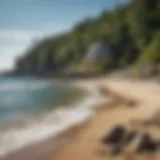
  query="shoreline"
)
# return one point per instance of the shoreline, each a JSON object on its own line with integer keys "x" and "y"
{"x": 87, "y": 144}
{"x": 46, "y": 147}
{"x": 82, "y": 141}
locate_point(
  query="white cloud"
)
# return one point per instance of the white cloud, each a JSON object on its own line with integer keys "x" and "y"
{"x": 8, "y": 54}
{"x": 23, "y": 35}
{"x": 14, "y": 43}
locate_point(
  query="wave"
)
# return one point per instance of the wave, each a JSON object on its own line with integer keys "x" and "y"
{"x": 49, "y": 124}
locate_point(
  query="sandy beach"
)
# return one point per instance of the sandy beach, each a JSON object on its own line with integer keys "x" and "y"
{"x": 87, "y": 144}
{"x": 83, "y": 141}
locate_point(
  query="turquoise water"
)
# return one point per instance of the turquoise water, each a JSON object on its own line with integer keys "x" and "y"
{"x": 24, "y": 97}
{"x": 33, "y": 109}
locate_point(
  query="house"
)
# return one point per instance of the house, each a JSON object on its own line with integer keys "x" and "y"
{"x": 98, "y": 53}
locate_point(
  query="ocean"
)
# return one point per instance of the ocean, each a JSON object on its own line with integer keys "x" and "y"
{"x": 33, "y": 109}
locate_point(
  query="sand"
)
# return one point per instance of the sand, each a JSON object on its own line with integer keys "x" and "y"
{"x": 83, "y": 141}
{"x": 87, "y": 144}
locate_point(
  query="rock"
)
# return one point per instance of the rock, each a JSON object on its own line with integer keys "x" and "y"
{"x": 142, "y": 143}
{"x": 113, "y": 150}
{"x": 148, "y": 70}
{"x": 115, "y": 135}
{"x": 131, "y": 103}
{"x": 129, "y": 137}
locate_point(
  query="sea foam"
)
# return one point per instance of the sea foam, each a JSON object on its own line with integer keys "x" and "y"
{"x": 49, "y": 124}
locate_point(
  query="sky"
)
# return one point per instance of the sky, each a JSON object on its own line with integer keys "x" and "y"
{"x": 24, "y": 21}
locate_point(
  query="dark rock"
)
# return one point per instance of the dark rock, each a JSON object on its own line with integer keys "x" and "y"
{"x": 115, "y": 135}
{"x": 131, "y": 103}
{"x": 148, "y": 70}
{"x": 142, "y": 143}
{"x": 113, "y": 150}
{"x": 129, "y": 137}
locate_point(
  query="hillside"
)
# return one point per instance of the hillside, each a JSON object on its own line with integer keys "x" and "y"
{"x": 130, "y": 31}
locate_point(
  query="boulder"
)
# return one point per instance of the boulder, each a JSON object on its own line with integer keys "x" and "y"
{"x": 113, "y": 150}
{"x": 129, "y": 137}
{"x": 142, "y": 143}
{"x": 115, "y": 135}
{"x": 131, "y": 103}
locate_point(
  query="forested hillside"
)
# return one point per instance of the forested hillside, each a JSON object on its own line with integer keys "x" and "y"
{"x": 132, "y": 32}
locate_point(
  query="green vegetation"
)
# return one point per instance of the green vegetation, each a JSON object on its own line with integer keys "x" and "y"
{"x": 131, "y": 31}
{"x": 151, "y": 54}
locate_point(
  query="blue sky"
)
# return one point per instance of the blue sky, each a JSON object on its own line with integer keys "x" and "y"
{"x": 23, "y": 21}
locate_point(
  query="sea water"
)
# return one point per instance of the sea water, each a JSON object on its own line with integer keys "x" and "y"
{"x": 33, "y": 109}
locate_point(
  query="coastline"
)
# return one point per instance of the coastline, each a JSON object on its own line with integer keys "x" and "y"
{"x": 46, "y": 147}
{"x": 82, "y": 141}
{"x": 87, "y": 144}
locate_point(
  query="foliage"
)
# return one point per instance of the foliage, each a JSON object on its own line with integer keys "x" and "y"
{"x": 128, "y": 30}
{"x": 152, "y": 52}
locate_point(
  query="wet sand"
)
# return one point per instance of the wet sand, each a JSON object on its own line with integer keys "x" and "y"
{"x": 45, "y": 148}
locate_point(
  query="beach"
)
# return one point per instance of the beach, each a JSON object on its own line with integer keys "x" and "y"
{"x": 87, "y": 144}
{"x": 83, "y": 140}
{"x": 40, "y": 135}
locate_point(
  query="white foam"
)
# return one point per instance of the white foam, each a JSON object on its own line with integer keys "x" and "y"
{"x": 48, "y": 125}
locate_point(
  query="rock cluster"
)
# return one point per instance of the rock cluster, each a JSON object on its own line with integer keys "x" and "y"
{"x": 118, "y": 139}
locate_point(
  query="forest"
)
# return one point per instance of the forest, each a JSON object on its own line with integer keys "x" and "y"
{"x": 132, "y": 31}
